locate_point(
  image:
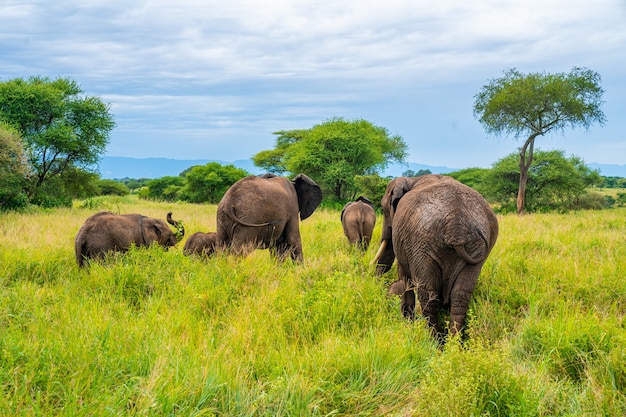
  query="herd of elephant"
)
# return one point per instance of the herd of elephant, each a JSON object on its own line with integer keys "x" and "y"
{"x": 439, "y": 230}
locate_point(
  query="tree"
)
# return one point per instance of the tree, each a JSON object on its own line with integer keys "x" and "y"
{"x": 333, "y": 153}
{"x": 531, "y": 105}
{"x": 555, "y": 182}
{"x": 13, "y": 169}
{"x": 165, "y": 188}
{"x": 419, "y": 173}
{"x": 111, "y": 187}
{"x": 473, "y": 177}
{"x": 208, "y": 183}
{"x": 62, "y": 129}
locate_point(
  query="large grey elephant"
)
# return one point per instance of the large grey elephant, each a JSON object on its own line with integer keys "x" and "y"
{"x": 107, "y": 232}
{"x": 201, "y": 243}
{"x": 264, "y": 212}
{"x": 358, "y": 219}
{"x": 441, "y": 232}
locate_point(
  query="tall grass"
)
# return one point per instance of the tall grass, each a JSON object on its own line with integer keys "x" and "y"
{"x": 154, "y": 332}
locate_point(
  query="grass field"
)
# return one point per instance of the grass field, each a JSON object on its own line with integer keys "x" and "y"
{"x": 155, "y": 333}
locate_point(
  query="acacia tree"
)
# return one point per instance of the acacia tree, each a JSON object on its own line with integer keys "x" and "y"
{"x": 62, "y": 129}
{"x": 531, "y": 105}
{"x": 333, "y": 153}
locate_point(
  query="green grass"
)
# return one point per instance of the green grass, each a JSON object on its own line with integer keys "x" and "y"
{"x": 155, "y": 333}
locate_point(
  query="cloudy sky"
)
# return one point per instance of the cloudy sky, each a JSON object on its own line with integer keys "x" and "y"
{"x": 213, "y": 79}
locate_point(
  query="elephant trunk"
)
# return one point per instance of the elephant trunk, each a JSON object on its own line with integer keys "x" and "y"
{"x": 180, "y": 229}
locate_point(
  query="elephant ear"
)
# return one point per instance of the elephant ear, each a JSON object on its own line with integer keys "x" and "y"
{"x": 309, "y": 195}
{"x": 400, "y": 187}
{"x": 365, "y": 200}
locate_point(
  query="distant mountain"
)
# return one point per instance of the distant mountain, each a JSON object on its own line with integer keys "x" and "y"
{"x": 118, "y": 167}
{"x": 608, "y": 170}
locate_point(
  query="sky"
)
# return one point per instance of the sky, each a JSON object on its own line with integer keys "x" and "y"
{"x": 209, "y": 79}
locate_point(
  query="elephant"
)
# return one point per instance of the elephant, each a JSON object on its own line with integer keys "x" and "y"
{"x": 261, "y": 212}
{"x": 358, "y": 219}
{"x": 441, "y": 232}
{"x": 201, "y": 243}
{"x": 108, "y": 232}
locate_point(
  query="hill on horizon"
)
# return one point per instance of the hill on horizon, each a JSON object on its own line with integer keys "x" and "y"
{"x": 118, "y": 167}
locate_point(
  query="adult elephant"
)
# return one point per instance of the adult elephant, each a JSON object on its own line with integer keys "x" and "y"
{"x": 264, "y": 212}
{"x": 358, "y": 219}
{"x": 107, "y": 232}
{"x": 441, "y": 232}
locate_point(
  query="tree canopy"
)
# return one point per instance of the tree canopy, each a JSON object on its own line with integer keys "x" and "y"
{"x": 531, "y": 105}
{"x": 62, "y": 129}
{"x": 333, "y": 153}
{"x": 555, "y": 182}
{"x": 208, "y": 183}
{"x": 13, "y": 169}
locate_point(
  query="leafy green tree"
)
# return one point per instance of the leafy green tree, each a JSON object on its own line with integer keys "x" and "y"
{"x": 411, "y": 173}
{"x": 111, "y": 187}
{"x": 372, "y": 186}
{"x": 165, "y": 188}
{"x": 63, "y": 130}
{"x": 555, "y": 182}
{"x": 333, "y": 153}
{"x": 472, "y": 177}
{"x": 133, "y": 184}
{"x": 208, "y": 183}
{"x": 13, "y": 169}
{"x": 531, "y": 105}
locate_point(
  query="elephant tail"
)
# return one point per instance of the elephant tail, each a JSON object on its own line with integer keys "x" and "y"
{"x": 462, "y": 252}
{"x": 231, "y": 214}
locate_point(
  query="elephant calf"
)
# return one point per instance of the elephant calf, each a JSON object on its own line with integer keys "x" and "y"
{"x": 201, "y": 244}
{"x": 358, "y": 219}
{"x": 107, "y": 232}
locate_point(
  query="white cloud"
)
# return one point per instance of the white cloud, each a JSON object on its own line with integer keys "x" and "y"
{"x": 248, "y": 68}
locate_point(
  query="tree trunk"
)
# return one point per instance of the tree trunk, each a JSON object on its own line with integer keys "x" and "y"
{"x": 525, "y": 160}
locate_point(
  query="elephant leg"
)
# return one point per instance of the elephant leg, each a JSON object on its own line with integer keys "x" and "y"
{"x": 406, "y": 292}
{"x": 291, "y": 246}
{"x": 282, "y": 251}
{"x": 431, "y": 305}
{"x": 407, "y": 305}
{"x": 460, "y": 298}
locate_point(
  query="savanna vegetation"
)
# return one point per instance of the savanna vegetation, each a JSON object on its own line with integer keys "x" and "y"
{"x": 154, "y": 332}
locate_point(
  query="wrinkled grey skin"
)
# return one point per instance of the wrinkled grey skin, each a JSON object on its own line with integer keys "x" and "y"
{"x": 200, "y": 243}
{"x": 358, "y": 219}
{"x": 107, "y": 232}
{"x": 260, "y": 212}
{"x": 441, "y": 233}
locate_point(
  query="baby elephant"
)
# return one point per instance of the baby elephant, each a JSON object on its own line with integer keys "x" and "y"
{"x": 107, "y": 232}
{"x": 201, "y": 244}
{"x": 358, "y": 219}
